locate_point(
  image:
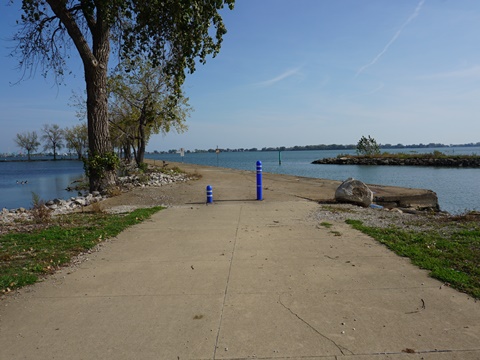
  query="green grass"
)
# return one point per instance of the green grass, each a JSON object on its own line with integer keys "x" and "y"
{"x": 26, "y": 256}
{"x": 451, "y": 252}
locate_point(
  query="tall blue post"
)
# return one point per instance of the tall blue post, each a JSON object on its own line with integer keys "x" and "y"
{"x": 209, "y": 194}
{"x": 259, "y": 180}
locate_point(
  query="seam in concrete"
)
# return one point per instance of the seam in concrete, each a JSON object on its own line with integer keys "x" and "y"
{"x": 339, "y": 347}
{"x": 419, "y": 352}
{"x": 228, "y": 282}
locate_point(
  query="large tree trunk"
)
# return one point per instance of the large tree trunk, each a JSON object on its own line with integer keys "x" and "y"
{"x": 95, "y": 62}
{"x": 127, "y": 152}
{"x": 97, "y": 109}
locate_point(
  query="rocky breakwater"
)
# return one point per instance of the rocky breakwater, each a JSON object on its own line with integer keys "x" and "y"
{"x": 452, "y": 161}
{"x": 64, "y": 206}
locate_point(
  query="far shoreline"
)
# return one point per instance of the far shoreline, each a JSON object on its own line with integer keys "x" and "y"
{"x": 36, "y": 160}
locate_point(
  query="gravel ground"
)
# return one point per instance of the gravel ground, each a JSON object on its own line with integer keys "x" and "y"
{"x": 379, "y": 217}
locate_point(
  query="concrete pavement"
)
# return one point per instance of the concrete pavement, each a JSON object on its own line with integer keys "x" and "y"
{"x": 240, "y": 279}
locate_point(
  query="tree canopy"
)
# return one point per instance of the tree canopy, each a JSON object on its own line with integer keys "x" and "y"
{"x": 53, "y": 137}
{"x": 28, "y": 141}
{"x": 144, "y": 102}
{"x": 76, "y": 139}
{"x": 171, "y": 33}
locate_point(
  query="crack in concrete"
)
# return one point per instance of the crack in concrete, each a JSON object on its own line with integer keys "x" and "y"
{"x": 339, "y": 347}
{"x": 403, "y": 352}
{"x": 226, "y": 285}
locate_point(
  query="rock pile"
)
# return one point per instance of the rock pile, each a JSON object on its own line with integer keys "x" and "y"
{"x": 473, "y": 162}
{"x": 64, "y": 206}
{"x": 152, "y": 179}
{"x": 60, "y": 206}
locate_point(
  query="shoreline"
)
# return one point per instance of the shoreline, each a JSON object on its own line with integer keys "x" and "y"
{"x": 315, "y": 189}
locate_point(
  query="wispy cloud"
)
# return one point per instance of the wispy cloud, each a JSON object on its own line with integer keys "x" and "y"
{"x": 375, "y": 89}
{"x": 394, "y": 38}
{"x": 282, "y": 76}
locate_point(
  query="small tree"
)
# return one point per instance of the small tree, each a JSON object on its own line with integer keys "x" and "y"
{"x": 28, "y": 141}
{"x": 144, "y": 101}
{"x": 76, "y": 139}
{"x": 53, "y": 136}
{"x": 367, "y": 146}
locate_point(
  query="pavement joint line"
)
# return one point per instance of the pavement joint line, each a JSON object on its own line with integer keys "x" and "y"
{"x": 339, "y": 347}
{"x": 159, "y": 261}
{"x": 330, "y": 291}
{"x": 228, "y": 281}
{"x": 86, "y": 296}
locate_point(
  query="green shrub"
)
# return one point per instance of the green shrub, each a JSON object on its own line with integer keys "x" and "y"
{"x": 367, "y": 146}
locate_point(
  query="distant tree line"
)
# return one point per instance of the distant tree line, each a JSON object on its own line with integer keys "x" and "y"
{"x": 326, "y": 147}
{"x": 53, "y": 138}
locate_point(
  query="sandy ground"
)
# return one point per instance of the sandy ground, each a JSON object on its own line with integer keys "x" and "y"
{"x": 230, "y": 184}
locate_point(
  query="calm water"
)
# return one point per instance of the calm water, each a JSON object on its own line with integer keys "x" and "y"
{"x": 47, "y": 179}
{"x": 457, "y": 189}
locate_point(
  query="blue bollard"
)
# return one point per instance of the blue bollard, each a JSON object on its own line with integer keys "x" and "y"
{"x": 209, "y": 194}
{"x": 259, "y": 180}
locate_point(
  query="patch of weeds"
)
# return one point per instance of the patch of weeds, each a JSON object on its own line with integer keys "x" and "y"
{"x": 97, "y": 207}
{"x": 143, "y": 178}
{"x": 27, "y": 256}
{"x": 326, "y": 224}
{"x": 143, "y": 167}
{"x": 113, "y": 191}
{"x": 336, "y": 233}
{"x": 177, "y": 170}
{"x": 412, "y": 155}
{"x": 195, "y": 175}
{"x": 40, "y": 212}
{"x": 451, "y": 256}
{"x": 336, "y": 209}
{"x": 171, "y": 170}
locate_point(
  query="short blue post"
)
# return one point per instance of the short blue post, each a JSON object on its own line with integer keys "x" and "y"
{"x": 209, "y": 194}
{"x": 259, "y": 180}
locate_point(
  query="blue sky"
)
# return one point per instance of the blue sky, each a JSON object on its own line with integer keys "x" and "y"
{"x": 302, "y": 72}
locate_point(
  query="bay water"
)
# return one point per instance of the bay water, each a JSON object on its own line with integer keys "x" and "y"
{"x": 19, "y": 180}
{"x": 458, "y": 189}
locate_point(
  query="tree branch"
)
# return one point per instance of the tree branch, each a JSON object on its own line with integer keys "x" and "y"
{"x": 88, "y": 16}
{"x": 68, "y": 20}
